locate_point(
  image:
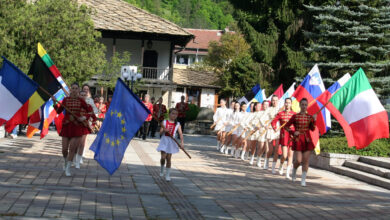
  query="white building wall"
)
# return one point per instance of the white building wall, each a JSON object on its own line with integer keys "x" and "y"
{"x": 134, "y": 47}
{"x": 207, "y": 98}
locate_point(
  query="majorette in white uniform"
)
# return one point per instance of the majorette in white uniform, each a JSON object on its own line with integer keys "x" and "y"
{"x": 220, "y": 118}
{"x": 228, "y": 123}
{"x": 168, "y": 145}
{"x": 237, "y": 121}
{"x": 263, "y": 120}
{"x": 271, "y": 134}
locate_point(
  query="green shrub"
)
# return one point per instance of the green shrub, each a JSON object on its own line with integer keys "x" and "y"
{"x": 192, "y": 113}
{"x": 379, "y": 147}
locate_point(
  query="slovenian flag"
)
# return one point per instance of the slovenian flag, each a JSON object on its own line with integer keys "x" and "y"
{"x": 325, "y": 96}
{"x": 310, "y": 88}
{"x": 359, "y": 111}
{"x": 15, "y": 90}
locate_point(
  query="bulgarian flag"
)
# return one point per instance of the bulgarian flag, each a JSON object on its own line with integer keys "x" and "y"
{"x": 359, "y": 111}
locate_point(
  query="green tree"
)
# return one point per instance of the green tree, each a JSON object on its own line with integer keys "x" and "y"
{"x": 348, "y": 35}
{"x": 274, "y": 31}
{"x": 65, "y": 30}
{"x": 231, "y": 60}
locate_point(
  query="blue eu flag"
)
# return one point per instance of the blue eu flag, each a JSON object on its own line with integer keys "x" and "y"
{"x": 123, "y": 119}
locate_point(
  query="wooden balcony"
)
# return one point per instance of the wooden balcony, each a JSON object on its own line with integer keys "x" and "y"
{"x": 152, "y": 73}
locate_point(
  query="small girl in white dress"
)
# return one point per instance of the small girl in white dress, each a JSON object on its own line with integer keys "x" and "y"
{"x": 167, "y": 145}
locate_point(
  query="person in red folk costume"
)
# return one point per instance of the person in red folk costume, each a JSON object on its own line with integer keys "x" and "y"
{"x": 159, "y": 111}
{"x": 182, "y": 108}
{"x": 302, "y": 143}
{"x": 145, "y": 126}
{"x": 283, "y": 117}
{"x": 74, "y": 124}
{"x": 167, "y": 146}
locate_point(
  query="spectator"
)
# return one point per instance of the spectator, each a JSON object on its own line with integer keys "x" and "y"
{"x": 182, "y": 108}
{"x": 101, "y": 111}
{"x": 145, "y": 126}
{"x": 109, "y": 99}
{"x": 159, "y": 111}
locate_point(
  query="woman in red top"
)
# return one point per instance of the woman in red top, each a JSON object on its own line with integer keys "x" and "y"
{"x": 73, "y": 125}
{"x": 283, "y": 117}
{"x": 302, "y": 143}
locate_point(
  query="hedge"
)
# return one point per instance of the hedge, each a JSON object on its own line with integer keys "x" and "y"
{"x": 380, "y": 147}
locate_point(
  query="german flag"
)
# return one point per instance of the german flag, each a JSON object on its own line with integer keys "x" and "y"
{"x": 43, "y": 76}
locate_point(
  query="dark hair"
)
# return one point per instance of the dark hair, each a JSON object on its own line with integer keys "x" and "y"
{"x": 288, "y": 99}
{"x": 256, "y": 104}
{"x": 222, "y": 99}
{"x": 303, "y": 99}
{"x": 265, "y": 101}
{"x": 242, "y": 104}
{"x": 75, "y": 83}
{"x": 234, "y": 107}
{"x": 171, "y": 110}
{"x": 85, "y": 85}
{"x": 274, "y": 96}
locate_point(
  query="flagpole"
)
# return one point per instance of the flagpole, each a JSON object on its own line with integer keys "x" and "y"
{"x": 66, "y": 108}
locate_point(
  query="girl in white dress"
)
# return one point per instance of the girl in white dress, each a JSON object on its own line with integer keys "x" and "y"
{"x": 167, "y": 145}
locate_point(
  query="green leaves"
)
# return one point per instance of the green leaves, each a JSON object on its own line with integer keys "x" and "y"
{"x": 64, "y": 29}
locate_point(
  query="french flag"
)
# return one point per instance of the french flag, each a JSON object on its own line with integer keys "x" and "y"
{"x": 311, "y": 88}
{"x": 15, "y": 90}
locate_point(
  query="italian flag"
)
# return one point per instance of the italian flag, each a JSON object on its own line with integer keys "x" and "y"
{"x": 359, "y": 111}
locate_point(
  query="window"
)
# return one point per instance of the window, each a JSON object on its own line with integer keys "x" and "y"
{"x": 182, "y": 59}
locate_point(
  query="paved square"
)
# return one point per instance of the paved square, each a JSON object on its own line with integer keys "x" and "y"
{"x": 209, "y": 186}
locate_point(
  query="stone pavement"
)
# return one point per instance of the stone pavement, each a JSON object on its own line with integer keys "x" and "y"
{"x": 209, "y": 186}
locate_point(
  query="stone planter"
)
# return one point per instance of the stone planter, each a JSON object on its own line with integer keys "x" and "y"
{"x": 325, "y": 160}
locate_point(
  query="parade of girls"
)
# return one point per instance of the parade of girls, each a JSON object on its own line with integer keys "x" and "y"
{"x": 258, "y": 134}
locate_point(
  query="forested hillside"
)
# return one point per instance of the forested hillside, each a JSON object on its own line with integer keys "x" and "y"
{"x": 204, "y": 14}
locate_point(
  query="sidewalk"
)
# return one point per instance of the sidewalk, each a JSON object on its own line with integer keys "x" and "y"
{"x": 209, "y": 186}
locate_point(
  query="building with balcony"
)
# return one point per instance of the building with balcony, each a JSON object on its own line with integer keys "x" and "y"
{"x": 150, "y": 39}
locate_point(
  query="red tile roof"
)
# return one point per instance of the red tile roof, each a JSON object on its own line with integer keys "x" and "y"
{"x": 203, "y": 37}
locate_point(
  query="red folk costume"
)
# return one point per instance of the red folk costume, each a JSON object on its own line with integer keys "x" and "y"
{"x": 182, "y": 107}
{"x": 102, "y": 109}
{"x": 283, "y": 117}
{"x": 150, "y": 107}
{"x": 71, "y": 127}
{"x": 303, "y": 123}
{"x": 157, "y": 113}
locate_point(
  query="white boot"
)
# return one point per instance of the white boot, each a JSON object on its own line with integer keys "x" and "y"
{"x": 303, "y": 178}
{"x": 266, "y": 164}
{"x": 218, "y": 145}
{"x": 252, "y": 160}
{"x": 77, "y": 162}
{"x": 227, "y": 150}
{"x": 168, "y": 174}
{"x": 281, "y": 168}
{"x": 162, "y": 170}
{"x": 233, "y": 151}
{"x": 259, "y": 161}
{"x": 273, "y": 167}
{"x": 243, "y": 155}
{"x": 246, "y": 155}
{"x": 222, "y": 149}
{"x": 67, "y": 168}
{"x": 81, "y": 159}
{"x": 294, "y": 174}
{"x": 288, "y": 172}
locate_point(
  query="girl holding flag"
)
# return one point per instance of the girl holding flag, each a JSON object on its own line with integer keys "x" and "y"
{"x": 283, "y": 117}
{"x": 302, "y": 142}
{"x": 73, "y": 124}
{"x": 167, "y": 146}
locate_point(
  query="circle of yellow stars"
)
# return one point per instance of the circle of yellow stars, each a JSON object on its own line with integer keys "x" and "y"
{"x": 116, "y": 141}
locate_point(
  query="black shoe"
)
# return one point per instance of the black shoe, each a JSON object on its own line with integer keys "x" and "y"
{"x": 144, "y": 138}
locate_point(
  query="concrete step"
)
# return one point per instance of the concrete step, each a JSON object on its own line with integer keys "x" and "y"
{"x": 363, "y": 176}
{"x": 376, "y": 161}
{"x": 368, "y": 168}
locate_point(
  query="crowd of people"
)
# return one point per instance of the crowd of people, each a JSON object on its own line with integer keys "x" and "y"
{"x": 261, "y": 131}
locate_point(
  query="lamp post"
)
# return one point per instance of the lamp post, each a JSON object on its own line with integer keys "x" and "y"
{"x": 129, "y": 73}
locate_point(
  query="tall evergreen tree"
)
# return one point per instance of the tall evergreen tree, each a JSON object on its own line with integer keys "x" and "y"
{"x": 350, "y": 34}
